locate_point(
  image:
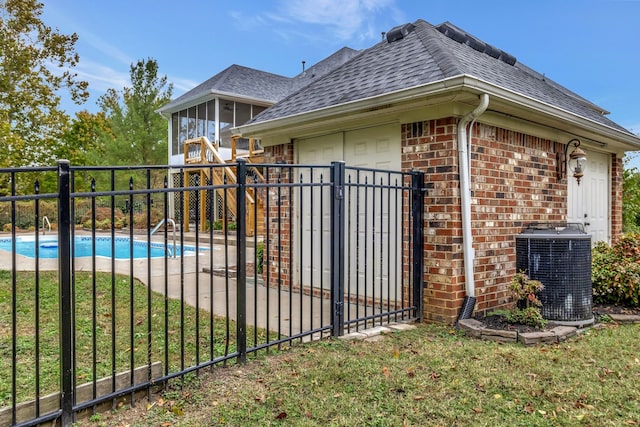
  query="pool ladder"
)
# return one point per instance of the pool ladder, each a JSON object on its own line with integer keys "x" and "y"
{"x": 45, "y": 220}
{"x": 173, "y": 227}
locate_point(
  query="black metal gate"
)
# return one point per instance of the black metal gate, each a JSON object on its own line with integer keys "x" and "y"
{"x": 145, "y": 293}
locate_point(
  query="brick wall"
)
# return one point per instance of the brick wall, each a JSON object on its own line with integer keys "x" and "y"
{"x": 616, "y": 196}
{"x": 277, "y": 266}
{"x": 430, "y": 147}
{"x": 513, "y": 183}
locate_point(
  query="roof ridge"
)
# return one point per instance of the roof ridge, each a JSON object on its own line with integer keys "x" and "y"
{"x": 340, "y": 52}
{"x": 432, "y": 40}
{"x": 223, "y": 75}
{"x": 358, "y": 53}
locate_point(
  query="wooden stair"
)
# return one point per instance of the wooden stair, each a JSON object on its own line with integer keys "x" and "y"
{"x": 201, "y": 151}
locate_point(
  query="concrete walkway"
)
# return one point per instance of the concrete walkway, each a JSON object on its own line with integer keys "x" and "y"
{"x": 189, "y": 278}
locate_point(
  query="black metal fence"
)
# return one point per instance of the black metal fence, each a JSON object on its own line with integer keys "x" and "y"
{"x": 99, "y": 304}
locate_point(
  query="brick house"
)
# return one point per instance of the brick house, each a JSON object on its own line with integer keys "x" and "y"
{"x": 490, "y": 134}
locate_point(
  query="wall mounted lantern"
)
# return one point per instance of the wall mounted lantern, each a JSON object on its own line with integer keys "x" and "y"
{"x": 576, "y": 163}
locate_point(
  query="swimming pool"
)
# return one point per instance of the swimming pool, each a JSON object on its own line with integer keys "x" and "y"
{"x": 48, "y": 247}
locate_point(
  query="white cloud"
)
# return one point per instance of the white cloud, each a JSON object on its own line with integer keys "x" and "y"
{"x": 101, "y": 77}
{"x": 106, "y": 49}
{"x": 87, "y": 41}
{"x": 347, "y": 19}
{"x": 344, "y": 20}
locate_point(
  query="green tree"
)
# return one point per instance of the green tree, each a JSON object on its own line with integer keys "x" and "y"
{"x": 140, "y": 133}
{"x": 85, "y": 139}
{"x": 36, "y": 63}
{"x": 630, "y": 199}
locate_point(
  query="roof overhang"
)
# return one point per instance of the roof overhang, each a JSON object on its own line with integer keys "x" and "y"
{"x": 460, "y": 89}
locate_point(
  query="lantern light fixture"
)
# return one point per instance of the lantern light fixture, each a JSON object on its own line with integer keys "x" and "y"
{"x": 576, "y": 162}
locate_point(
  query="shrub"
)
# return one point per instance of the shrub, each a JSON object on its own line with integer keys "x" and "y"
{"x": 103, "y": 219}
{"x": 615, "y": 271}
{"x": 259, "y": 257}
{"x": 219, "y": 225}
{"x": 527, "y": 304}
{"x": 525, "y": 291}
{"x": 140, "y": 219}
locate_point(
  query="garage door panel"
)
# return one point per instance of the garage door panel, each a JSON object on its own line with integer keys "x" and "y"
{"x": 370, "y": 225}
{"x": 312, "y": 201}
{"x": 372, "y": 215}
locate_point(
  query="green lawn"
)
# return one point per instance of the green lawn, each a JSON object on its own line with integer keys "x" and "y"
{"x": 429, "y": 376}
{"x": 104, "y": 315}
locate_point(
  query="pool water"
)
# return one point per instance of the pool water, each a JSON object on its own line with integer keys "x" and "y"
{"x": 48, "y": 247}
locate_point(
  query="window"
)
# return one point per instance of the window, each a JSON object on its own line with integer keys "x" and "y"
{"x": 227, "y": 114}
{"x": 175, "y": 142}
{"x": 211, "y": 121}
{"x": 243, "y": 113}
{"x": 201, "y": 117}
{"x": 191, "y": 133}
{"x": 200, "y": 120}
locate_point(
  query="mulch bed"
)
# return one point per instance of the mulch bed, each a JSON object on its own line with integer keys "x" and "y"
{"x": 500, "y": 323}
{"x": 603, "y": 309}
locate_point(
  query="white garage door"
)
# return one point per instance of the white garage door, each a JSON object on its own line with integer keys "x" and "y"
{"x": 377, "y": 148}
{"x": 312, "y": 213}
{"x": 590, "y": 202}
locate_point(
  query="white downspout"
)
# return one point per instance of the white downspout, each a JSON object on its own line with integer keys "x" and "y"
{"x": 465, "y": 193}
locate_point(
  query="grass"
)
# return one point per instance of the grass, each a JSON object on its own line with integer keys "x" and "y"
{"x": 180, "y": 334}
{"x": 428, "y": 376}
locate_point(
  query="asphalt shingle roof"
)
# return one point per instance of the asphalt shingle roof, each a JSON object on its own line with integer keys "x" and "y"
{"x": 426, "y": 55}
{"x": 241, "y": 81}
{"x": 260, "y": 85}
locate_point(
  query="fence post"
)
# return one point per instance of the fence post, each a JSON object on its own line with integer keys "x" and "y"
{"x": 417, "y": 217}
{"x": 241, "y": 257}
{"x": 66, "y": 295}
{"x": 337, "y": 247}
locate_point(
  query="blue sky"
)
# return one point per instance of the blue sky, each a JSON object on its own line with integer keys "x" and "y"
{"x": 590, "y": 46}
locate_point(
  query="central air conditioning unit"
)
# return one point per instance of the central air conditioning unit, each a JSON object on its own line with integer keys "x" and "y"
{"x": 559, "y": 256}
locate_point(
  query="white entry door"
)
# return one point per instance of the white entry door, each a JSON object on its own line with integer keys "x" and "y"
{"x": 590, "y": 202}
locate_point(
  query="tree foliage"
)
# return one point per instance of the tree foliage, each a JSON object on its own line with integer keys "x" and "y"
{"x": 85, "y": 139}
{"x": 140, "y": 132}
{"x": 631, "y": 200}
{"x": 36, "y": 62}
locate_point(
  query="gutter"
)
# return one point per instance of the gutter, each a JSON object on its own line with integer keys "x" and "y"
{"x": 464, "y": 154}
